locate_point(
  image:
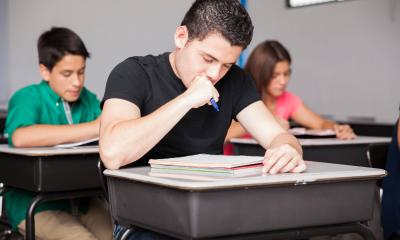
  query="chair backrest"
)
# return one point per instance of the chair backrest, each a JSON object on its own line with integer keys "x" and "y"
{"x": 377, "y": 156}
{"x": 103, "y": 179}
{"x": 3, "y": 217}
{"x": 6, "y": 233}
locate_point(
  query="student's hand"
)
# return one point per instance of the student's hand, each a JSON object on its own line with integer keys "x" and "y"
{"x": 344, "y": 132}
{"x": 200, "y": 91}
{"x": 283, "y": 122}
{"x": 282, "y": 159}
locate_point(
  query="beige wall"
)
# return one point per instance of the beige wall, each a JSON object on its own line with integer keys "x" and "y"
{"x": 345, "y": 54}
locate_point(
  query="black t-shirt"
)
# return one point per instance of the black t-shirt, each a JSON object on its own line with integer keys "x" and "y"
{"x": 149, "y": 82}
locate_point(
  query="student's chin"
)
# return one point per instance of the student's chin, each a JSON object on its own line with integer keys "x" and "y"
{"x": 71, "y": 99}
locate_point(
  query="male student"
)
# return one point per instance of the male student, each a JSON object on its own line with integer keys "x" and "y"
{"x": 159, "y": 106}
{"x": 391, "y": 189}
{"x": 57, "y": 110}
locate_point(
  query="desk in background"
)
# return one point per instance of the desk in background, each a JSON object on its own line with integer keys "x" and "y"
{"x": 327, "y": 199}
{"x": 51, "y": 173}
{"x": 363, "y": 126}
{"x": 372, "y": 128}
{"x": 330, "y": 150}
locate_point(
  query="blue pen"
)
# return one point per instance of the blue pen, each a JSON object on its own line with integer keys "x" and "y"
{"x": 214, "y": 104}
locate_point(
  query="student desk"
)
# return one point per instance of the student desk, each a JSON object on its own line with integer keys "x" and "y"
{"x": 330, "y": 150}
{"x": 52, "y": 173}
{"x": 327, "y": 199}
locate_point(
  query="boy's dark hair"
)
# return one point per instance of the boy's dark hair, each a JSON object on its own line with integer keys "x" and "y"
{"x": 227, "y": 17}
{"x": 262, "y": 60}
{"x": 54, "y": 44}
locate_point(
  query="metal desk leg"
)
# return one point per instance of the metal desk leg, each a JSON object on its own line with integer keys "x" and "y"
{"x": 358, "y": 228}
{"x": 39, "y": 198}
{"x": 365, "y": 232}
{"x": 30, "y": 214}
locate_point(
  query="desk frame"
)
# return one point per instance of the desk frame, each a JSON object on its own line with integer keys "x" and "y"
{"x": 45, "y": 197}
{"x": 40, "y": 169}
{"x": 191, "y": 195}
{"x": 294, "y": 234}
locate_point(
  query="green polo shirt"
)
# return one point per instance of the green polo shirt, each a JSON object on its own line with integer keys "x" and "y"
{"x": 39, "y": 104}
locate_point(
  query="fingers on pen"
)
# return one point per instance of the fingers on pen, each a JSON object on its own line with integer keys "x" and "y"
{"x": 216, "y": 95}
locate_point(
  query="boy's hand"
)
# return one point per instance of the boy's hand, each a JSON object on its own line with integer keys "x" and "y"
{"x": 282, "y": 159}
{"x": 200, "y": 91}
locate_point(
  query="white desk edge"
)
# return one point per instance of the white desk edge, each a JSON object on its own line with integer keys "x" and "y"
{"x": 48, "y": 151}
{"x": 343, "y": 172}
{"x": 324, "y": 141}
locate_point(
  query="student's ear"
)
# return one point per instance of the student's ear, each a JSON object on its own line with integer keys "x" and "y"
{"x": 44, "y": 72}
{"x": 181, "y": 37}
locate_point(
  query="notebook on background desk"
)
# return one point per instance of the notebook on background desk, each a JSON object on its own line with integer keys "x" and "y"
{"x": 310, "y": 133}
{"x": 89, "y": 142}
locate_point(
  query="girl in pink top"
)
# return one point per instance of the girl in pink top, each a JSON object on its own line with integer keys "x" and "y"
{"x": 286, "y": 105}
{"x": 269, "y": 65}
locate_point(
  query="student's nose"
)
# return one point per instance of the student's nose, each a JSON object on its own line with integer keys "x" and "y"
{"x": 77, "y": 81}
{"x": 282, "y": 79}
{"x": 213, "y": 72}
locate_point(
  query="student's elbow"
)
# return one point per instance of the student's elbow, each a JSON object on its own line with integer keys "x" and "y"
{"x": 114, "y": 158}
{"x": 110, "y": 158}
{"x": 18, "y": 141}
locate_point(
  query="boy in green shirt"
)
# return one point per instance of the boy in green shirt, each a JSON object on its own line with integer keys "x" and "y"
{"x": 58, "y": 110}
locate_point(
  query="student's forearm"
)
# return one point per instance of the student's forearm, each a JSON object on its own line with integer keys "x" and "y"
{"x": 235, "y": 130}
{"x": 327, "y": 124}
{"x": 126, "y": 141}
{"x": 41, "y": 135}
{"x": 286, "y": 138}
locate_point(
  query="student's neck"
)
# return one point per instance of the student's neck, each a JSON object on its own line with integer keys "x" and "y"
{"x": 269, "y": 101}
{"x": 172, "y": 61}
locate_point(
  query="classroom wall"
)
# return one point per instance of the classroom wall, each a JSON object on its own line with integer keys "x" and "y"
{"x": 111, "y": 30}
{"x": 3, "y": 54}
{"x": 345, "y": 54}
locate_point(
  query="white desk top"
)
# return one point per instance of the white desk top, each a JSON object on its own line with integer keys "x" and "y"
{"x": 324, "y": 141}
{"x": 48, "y": 151}
{"x": 316, "y": 171}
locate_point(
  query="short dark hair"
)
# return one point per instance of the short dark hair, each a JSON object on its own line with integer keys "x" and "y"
{"x": 227, "y": 17}
{"x": 54, "y": 44}
{"x": 262, "y": 60}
